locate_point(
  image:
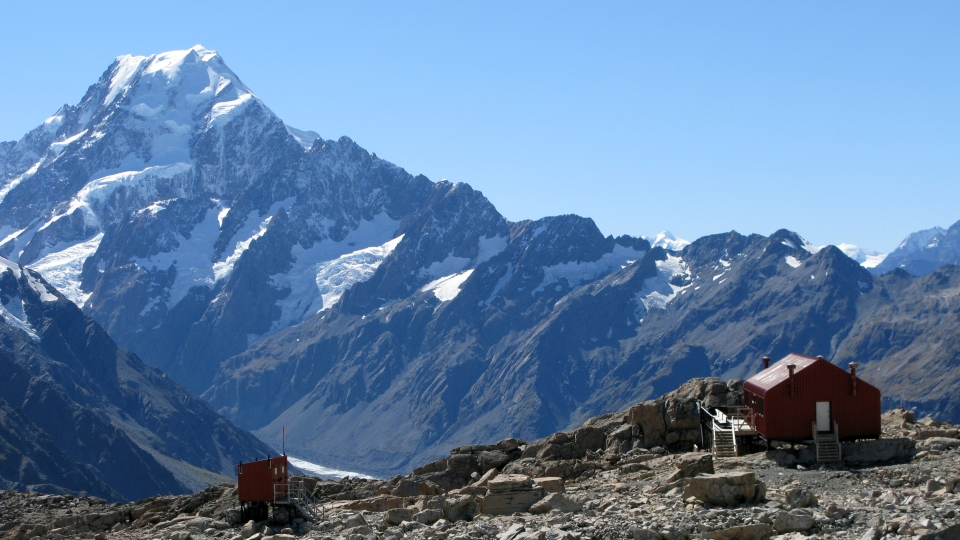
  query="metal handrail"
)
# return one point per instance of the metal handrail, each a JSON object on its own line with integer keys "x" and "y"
{"x": 836, "y": 434}
{"x": 733, "y": 434}
{"x": 816, "y": 441}
{"x": 299, "y": 495}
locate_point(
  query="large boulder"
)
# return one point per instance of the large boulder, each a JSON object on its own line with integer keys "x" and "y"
{"x": 872, "y": 452}
{"x": 649, "y": 416}
{"x": 690, "y": 465}
{"x": 492, "y": 459}
{"x": 554, "y": 501}
{"x": 509, "y": 493}
{"x": 800, "y": 498}
{"x": 509, "y": 482}
{"x": 249, "y": 529}
{"x": 588, "y": 438}
{"x": 380, "y": 503}
{"x": 462, "y": 465}
{"x": 460, "y": 508}
{"x": 725, "y": 489}
{"x": 756, "y": 531}
{"x": 797, "y": 519}
{"x": 550, "y": 484}
{"x": 396, "y": 516}
{"x": 428, "y": 516}
{"x": 508, "y": 502}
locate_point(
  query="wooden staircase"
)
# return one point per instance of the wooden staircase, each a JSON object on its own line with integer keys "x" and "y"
{"x": 828, "y": 445}
{"x": 724, "y": 444}
{"x": 726, "y": 429}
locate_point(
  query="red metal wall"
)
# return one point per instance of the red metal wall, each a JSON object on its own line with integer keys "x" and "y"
{"x": 255, "y": 480}
{"x": 789, "y": 418}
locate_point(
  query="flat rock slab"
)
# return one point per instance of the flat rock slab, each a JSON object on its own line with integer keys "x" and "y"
{"x": 508, "y": 502}
{"x": 726, "y": 489}
{"x": 509, "y": 482}
{"x": 757, "y": 531}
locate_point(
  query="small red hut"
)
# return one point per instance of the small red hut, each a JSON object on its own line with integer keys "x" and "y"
{"x": 799, "y": 395}
{"x": 262, "y": 481}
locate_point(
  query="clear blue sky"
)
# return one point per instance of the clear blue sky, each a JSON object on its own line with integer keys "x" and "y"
{"x": 839, "y": 120}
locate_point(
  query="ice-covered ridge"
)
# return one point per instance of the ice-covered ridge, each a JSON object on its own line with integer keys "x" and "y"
{"x": 576, "y": 273}
{"x": 448, "y": 287}
{"x": 303, "y": 281}
{"x": 127, "y": 67}
{"x": 62, "y": 268}
{"x": 142, "y": 183}
{"x": 667, "y": 240}
{"x": 658, "y": 291}
{"x": 337, "y": 276}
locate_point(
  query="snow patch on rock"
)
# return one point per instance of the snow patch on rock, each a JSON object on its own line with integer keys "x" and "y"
{"x": 448, "y": 287}
{"x": 40, "y": 288}
{"x": 192, "y": 259}
{"x": 337, "y": 276}
{"x": 62, "y": 268}
{"x": 576, "y": 273}
{"x": 659, "y": 290}
{"x": 304, "y": 281}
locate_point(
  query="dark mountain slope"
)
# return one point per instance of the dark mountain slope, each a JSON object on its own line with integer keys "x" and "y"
{"x": 31, "y": 461}
{"x": 139, "y": 432}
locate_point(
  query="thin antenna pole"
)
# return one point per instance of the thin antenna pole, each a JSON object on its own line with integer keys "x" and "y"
{"x": 283, "y": 439}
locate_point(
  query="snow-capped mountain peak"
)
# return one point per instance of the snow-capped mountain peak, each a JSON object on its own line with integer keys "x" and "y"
{"x": 867, "y": 258}
{"x": 920, "y": 239}
{"x": 667, "y": 240}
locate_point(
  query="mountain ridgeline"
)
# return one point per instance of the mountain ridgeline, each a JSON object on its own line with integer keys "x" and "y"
{"x": 384, "y": 318}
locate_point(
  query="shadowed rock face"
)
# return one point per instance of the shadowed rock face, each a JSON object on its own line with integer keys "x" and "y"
{"x": 90, "y": 416}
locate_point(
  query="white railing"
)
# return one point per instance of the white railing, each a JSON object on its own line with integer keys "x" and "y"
{"x": 297, "y": 494}
{"x": 836, "y": 435}
{"x": 720, "y": 422}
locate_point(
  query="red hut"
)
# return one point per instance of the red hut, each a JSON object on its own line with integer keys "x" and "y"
{"x": 260, "y": 484}
{"x": 799, "y": 397}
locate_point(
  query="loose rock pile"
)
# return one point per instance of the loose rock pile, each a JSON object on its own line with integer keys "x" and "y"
{"x": 603, "y": 480}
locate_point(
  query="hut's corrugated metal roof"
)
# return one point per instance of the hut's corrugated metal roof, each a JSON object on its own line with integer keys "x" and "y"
{"x": 777, "y": 373}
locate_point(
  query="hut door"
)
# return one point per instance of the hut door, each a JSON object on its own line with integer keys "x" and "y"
{"x": 823, "y": 416}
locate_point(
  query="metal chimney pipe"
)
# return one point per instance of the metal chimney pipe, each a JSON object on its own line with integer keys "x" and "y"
{"x": 793, "y": 383}
{"x": 766, "y": 362}
{"x": 853, "y": 378}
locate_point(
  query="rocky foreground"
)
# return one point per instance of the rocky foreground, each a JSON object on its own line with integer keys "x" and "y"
{"x": 634, "y": 474}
